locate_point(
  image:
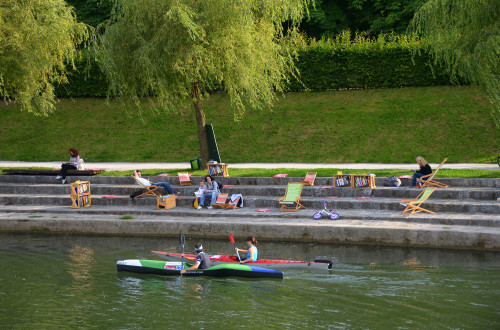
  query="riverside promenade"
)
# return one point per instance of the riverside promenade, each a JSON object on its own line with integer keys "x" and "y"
{"x": 467, "y": 214}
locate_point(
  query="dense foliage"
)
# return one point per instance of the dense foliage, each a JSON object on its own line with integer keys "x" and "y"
{"x": 327, "y": 18}
{"x": 38, "y": 38}
{"x": 386, "y": 61}
{"x": 464, "y": 36}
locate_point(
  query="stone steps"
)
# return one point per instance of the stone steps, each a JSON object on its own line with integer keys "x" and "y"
{"x": 313, "y": 203}
{"x": 461, "y": 193}
{"x": 173, "y": 180}
{"x": 447, "y": 219}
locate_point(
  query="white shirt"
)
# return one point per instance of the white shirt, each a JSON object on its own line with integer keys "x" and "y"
{"x": 145, "y": 182}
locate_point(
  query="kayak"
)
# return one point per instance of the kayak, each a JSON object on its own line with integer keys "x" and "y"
{"x": 267, "y": 263}
{"x": 166, "y": 268}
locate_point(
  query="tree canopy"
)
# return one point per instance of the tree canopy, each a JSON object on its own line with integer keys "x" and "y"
{"x": 464, "y": 35}
{"x": 37, "y": 39}
{"x": 180, "y": 50}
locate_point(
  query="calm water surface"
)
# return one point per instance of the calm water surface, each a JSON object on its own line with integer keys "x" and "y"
{"x": 71, "y": 282}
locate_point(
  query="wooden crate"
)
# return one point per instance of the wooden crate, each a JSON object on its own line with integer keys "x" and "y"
{"x": 217, "y": 169}
{"x": 165, "y": 202}
{"x": 78, "y": 202}
{"x": 80, "y": 188}
{"x": 363, "y": 181}
{"x": 342, "y": 181}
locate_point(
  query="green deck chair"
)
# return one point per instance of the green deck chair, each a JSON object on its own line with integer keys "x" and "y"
{"x": 290, "y": 202}
{"x": 413, "y": 205}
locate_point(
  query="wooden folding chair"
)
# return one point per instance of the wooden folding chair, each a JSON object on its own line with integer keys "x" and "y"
{"x": 221, "y": 201}
{"x": 309, "y": 179}
{"x": 291, "y": 200}
{"x": 413, "y": 205}
{"x": 151, "y": 191}
{"x": 426, "y": 180}
{"x": 184, "y": 179}
{"x": 232, "y": 204}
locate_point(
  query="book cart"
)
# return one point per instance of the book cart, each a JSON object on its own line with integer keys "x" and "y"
{"x": 80, "y": 194}
{"x": 219, "y": 169}
{"x": 354, "y": 181}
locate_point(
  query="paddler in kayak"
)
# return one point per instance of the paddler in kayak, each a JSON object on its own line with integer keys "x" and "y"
{"x": 252, "y": 252}
{"x": 202, "y": 259}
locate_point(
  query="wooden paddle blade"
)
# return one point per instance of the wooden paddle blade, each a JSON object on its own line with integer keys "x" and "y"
{"x": 231, "y": 237}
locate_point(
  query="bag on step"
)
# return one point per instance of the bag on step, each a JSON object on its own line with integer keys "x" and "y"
{"x": 392, "y": 181}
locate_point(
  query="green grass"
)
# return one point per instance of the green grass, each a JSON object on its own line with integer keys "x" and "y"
{"x": 126, "y": 217}
{"x": 376, "y": 125}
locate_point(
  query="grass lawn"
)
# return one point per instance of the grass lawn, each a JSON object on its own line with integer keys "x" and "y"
{"x": 376, "y": 125}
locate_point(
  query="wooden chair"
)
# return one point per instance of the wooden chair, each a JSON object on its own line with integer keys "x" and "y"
{"x": 413, "y": 205}
{"x": 221, "y": 201}
{"x": 184, "y": 179}
{"x": 233, "y": 204}
{"x": 150, "y": 191}
{"x": 427, "y": 180}
{"x": 291, "y": 200}
{"x": 309, "y": 179}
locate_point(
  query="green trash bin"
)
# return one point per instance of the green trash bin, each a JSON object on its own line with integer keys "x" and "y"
{"x": 195, "y": 164}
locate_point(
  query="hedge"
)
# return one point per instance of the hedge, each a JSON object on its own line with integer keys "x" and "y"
{"x": 388, "y": 61}
{"x": 341, "y": 63}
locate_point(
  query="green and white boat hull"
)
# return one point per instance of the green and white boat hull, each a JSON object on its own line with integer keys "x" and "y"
{"x": 173, "y": 268}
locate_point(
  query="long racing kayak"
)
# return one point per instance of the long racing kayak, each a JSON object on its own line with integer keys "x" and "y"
{"x": 166, "y": 268}
{"x": 267, "y": 263}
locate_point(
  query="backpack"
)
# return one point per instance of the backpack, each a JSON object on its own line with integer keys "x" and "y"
{"x": 219, "y": 184}
{"x": 392, "y": 181}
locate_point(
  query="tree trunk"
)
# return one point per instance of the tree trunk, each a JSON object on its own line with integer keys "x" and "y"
{"x": 200, "y": 120}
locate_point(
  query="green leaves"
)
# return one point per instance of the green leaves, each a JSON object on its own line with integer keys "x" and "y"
{"x": 37, "y": 39}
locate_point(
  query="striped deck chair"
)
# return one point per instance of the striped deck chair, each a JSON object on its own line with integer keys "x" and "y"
{"x": 427, "y": 180}
{"x": 291, "y": 200}
{"x": 309, "y": 179}
{"x": 184, "y": 179}
{"x": 221, "y": 201}
{"x": 413, "y": 205}
{"x": 150, "y": 191}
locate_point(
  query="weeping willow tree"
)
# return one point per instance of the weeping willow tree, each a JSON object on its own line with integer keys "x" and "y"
{"x": 179, "y": 50}
{"x": 37, "y": 39}
{"x": 464, "y": 35}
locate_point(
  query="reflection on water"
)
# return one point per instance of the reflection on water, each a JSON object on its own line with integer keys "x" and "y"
{"x": 71, "y": 281}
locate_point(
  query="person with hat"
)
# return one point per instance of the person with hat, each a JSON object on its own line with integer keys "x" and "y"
{"x": 202, "y": 259}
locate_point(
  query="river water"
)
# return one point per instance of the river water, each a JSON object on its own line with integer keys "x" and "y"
{"x": 71, "y": 282}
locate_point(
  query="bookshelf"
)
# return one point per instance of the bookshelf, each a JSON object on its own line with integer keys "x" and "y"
{"x": 80, "y": 194}
{"x": 354, "y": 181}
{"x": 218, "y": 169}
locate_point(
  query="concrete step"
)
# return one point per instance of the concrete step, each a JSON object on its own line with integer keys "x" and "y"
{"x": 314, "y": 203}
{"x": 173, "y": 180}
{"x": 271, "y": 191}
{"x": 444, "y": 219}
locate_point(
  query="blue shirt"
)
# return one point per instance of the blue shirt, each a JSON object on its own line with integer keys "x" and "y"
{"x": 254, "y": 255}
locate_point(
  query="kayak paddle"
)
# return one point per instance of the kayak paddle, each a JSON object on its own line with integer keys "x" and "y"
{"x": 182, "y": 245}
{"x": 231, "y": 238}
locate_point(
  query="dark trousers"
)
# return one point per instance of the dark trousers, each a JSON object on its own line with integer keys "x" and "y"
{"x": 64, "y": 168}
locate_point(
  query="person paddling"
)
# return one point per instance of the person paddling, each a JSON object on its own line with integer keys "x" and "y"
{"x": 202, "y": 260}
{"x": 252, "y": 252}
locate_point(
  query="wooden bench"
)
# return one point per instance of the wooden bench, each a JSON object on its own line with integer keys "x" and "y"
{"x": 31, "y": 171}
